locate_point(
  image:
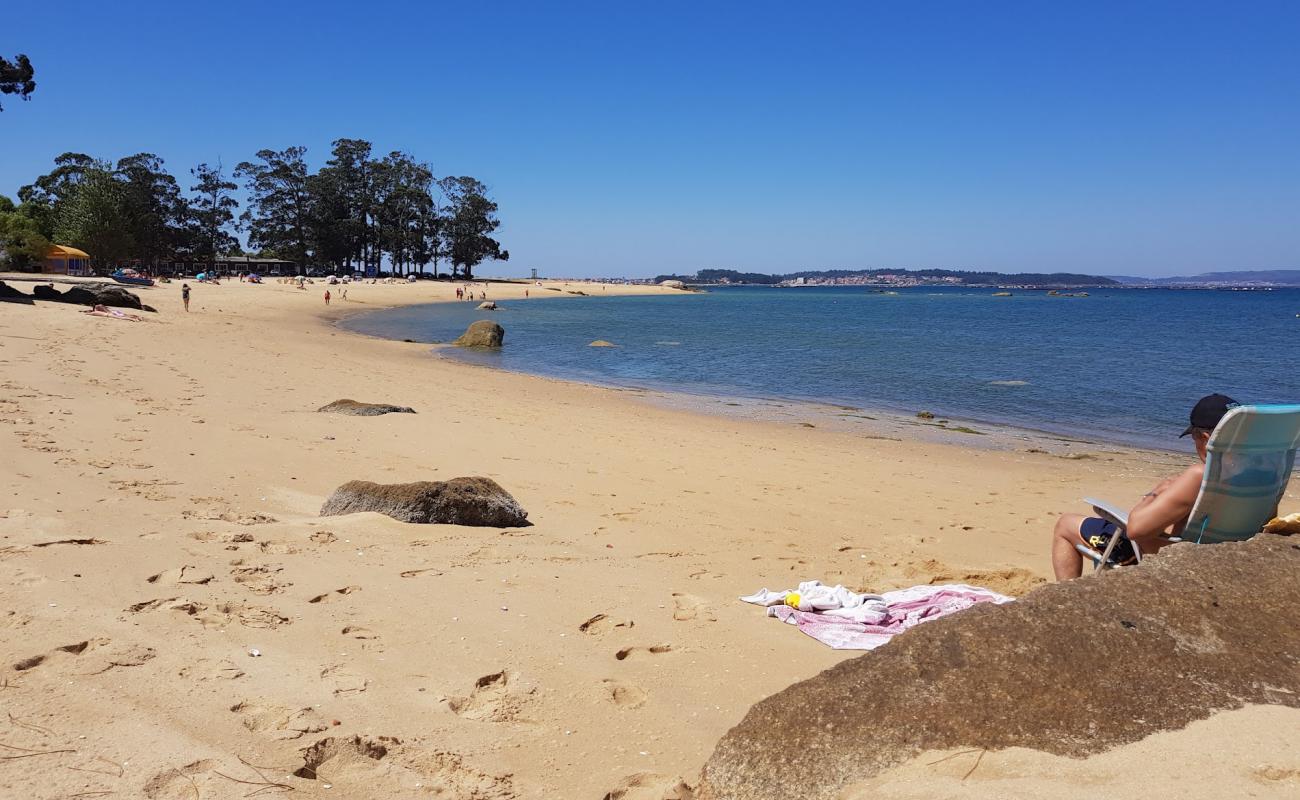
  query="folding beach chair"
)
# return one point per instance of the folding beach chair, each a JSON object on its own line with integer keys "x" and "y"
{"x": 1248, "y": 464}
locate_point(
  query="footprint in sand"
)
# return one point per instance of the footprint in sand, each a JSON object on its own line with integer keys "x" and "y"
{"x": 216, "y": 536}
{"x": 653, "y": 650}
{"x": 688, "y": 607}
{"x": 91, "y": 657}
{"x": 181, "y": 574}
{"x": 180, "y": 783}
{"x": 283, "y": 722}
{"x": 494, "y": 698}
{"x": 343, "y": 681}
{"x": 603, "y": 623}
{"x": 58, "y": 653}
{"x": 650, "y": 786}
{"x": 330, "y": 597}
{"x": 323, "y": 537}
{"x": 336, "y": 756}
{"x": 368, "y": 638}
{"x": 260, "y": 579}
{"x": 624, "y": 695}
{"x": 207, "y": 669}
{"x": 14, "y": 619}
{"x": 222, "y": 615}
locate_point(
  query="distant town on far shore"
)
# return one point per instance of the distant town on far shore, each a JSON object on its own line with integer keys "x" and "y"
{"x": 1273, "y": 278}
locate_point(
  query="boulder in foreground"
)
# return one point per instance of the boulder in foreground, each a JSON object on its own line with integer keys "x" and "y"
{"x": 460, "y": 501}
{"x": 357, "y": 409}
{"x": 482, "y": 333}
{"x": 1070, "y": 669}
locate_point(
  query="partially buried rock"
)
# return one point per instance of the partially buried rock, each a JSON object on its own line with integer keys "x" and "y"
{"x": 483, "y": 333}
{"x": 1194, "y": 630}
{"x": 460, "y": 501}
{"x": 356, "y": 409}
{"x": 488, "y": 306}
{"x": 602, "y": 343}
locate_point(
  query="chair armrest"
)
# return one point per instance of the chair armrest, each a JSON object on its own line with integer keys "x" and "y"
{"x": 1108, "y": 512}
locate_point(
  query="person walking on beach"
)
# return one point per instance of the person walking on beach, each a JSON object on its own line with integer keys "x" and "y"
{"x": 185, "y": 296}
{"x": 327, "y": 297}
{"x": 1159, "y": 515}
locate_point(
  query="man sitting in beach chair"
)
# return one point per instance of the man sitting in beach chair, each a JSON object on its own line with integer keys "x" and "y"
{"x": 1158, "y": 517}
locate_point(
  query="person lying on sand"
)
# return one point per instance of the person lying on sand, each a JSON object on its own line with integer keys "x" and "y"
{"x": 1159, "y": 515}
{"x": 112, "y": 313}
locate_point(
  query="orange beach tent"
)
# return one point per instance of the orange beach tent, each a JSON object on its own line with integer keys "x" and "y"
{"x": 64, "y": 260}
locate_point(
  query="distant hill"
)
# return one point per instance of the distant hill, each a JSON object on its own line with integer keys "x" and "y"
{"x": 898, "y": 277}
{"x": 1271, "y": 277}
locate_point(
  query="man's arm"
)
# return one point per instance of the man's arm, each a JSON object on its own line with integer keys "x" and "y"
{"x": 1167, "y": 504}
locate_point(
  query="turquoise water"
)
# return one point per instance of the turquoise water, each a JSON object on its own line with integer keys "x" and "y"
{"x": 1120, "y": 365}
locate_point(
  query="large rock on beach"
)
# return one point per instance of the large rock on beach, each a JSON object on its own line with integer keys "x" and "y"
{"x": 482, "y": 333}
{"x": 459, "y": 501}
{"x": 1070, "y": 669}
{"x": 91, "y": 294}
{"x": 104, "y": 294}
{"x": 356, "y": 409}
{"x": 11, "y": 295}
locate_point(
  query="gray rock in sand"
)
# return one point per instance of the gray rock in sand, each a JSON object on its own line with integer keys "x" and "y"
{"x": 356, "y": 409}
{"x": 460, "y": 501}
{"x": 1071, "y": 669}
{"x": 483, "y": 333}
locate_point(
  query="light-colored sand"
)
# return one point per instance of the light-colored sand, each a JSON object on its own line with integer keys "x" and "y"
{"x": 601, "y": 647}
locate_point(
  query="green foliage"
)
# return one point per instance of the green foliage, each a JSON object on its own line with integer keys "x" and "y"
{"x": 157, "y": 216}
{"x": 356, "y": 211}
{"x": 96, "y": 216}
{"x": 212, "y": 212}
{"x": 279, "y": 212}
{"x": 16, "y": 77}
{"x": 470, "y": 218}
{"x": 22, "y": 246}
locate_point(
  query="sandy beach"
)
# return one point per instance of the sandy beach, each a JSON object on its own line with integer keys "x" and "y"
{"x": 162, "y": 481}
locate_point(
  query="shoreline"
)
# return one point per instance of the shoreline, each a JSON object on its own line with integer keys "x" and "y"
{"x": 812, "y": 412}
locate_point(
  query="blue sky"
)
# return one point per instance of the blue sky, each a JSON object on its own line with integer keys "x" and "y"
{"x": 633, "y": 138}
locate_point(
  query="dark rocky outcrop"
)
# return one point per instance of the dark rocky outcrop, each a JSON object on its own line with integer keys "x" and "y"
{"x": 103, "y": 294}
{"x": 357, "y": 409}
{"x": 482, "y": 333}
{"x": 459, "y": 501}
{"x": 9, "y": 294}
{"x": 1070, "y": 669}
{"x": 91, "y": 294}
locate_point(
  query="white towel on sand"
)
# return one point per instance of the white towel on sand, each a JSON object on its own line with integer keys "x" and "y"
{"x": 831, "y": 601}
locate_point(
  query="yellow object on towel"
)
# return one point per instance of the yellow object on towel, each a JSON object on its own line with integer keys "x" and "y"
{"x": 792, "y": 599}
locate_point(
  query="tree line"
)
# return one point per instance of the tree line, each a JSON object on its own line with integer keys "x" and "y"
{"x": 355, "y": 212}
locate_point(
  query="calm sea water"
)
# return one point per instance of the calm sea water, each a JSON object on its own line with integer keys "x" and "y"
{"x": 1121, "y": 365}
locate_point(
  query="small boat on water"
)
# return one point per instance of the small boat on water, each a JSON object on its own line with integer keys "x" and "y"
{"x": 130, "y": 276}
{"x": 1002, "y": 294}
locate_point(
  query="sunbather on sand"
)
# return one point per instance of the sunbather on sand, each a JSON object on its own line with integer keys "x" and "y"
{"x": 1160, "y": 514}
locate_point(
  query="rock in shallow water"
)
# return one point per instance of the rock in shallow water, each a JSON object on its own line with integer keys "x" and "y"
{"x": 1070, "y": 669}
{"x": 356, "y": 409}
{"x": 460, "y": 501}
{"x": 483, "y": 333}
